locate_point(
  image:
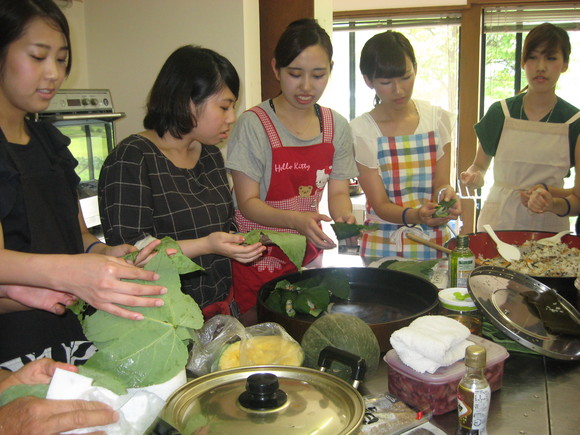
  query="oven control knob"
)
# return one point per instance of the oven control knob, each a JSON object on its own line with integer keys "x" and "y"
{"x": 105, "y": 101}
{"x": 94, "y": 102}
{"x": 85, "y": 101}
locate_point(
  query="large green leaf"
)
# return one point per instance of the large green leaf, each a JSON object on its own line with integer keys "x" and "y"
{"x": 16, "y": 391}
{"x": 293, "y": 245}
{"x": 152, "y": 350}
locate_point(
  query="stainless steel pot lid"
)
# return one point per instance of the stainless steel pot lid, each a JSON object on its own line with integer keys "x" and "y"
{"x": 304, "y": 401}
{"x": 498, "y": 292}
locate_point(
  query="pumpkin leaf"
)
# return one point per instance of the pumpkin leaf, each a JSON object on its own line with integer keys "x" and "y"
{"x": 22, "y": 390}
{"x": 421, "y": 269}
{"x": 343, "y": 230}
{"x": 293, "y": 245}
{"x": 152, "y": 350}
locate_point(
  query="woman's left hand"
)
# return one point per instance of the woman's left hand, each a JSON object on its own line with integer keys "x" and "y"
{"x": 40, "y": 298}
{"x": 36, "y": 372}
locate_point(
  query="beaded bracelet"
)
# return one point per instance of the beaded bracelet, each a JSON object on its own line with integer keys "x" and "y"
{"x": 568, "y": 210}
{"x": 404, "y": 220}
{"x": 91, "y": 246}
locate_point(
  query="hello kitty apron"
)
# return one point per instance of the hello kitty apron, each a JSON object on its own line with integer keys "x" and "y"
{"x": 407, "y": 165}
{"x": 528, "y": 153}
{"x": 299, "y": 175}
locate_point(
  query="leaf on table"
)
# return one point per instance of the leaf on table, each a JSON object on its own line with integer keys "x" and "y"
{"x": 343, "y": 230}
{"x": 22, "y": 390}
{"x": 422, "y": 269}
{"x": 293, "y": 245}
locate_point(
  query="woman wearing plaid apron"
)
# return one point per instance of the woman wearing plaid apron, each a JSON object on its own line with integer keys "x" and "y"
{"x": 402, "y": 151}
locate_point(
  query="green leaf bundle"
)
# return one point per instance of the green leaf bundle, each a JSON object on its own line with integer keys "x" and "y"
{"x": 309, "y": 296}
{"x": 345, "y": 231}
{"x": 442, "y": 209}
{"x": 293, "y": 245}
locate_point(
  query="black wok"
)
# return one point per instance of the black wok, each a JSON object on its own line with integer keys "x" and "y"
{"x": 386, "y": 300}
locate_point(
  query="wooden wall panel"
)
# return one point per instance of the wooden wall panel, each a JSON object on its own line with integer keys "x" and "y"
{"x": 275, "y": 15}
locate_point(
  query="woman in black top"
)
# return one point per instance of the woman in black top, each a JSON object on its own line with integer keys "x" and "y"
{"x": 39, "y": 209}
{"x": 170, "y": 179}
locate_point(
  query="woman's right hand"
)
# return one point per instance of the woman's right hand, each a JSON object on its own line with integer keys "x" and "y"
{"x": 100, "y": 281}
{"x": 230, "y": 245}
{"x": 307, "y": 223}
{"x": 472, "y": 178}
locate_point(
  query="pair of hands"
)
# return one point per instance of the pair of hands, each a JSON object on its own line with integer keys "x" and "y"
{"x": 31, "y": 415}
{"x": 308, "y": 224}
{"x": 537, "y": 199}
{"x": 99, "y": 280}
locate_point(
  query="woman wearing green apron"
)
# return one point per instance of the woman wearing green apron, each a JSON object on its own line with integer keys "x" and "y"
{"x": 533, "y": 137}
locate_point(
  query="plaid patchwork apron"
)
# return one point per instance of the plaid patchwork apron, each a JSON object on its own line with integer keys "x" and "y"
{"x": 407, "y": 166}
{"x": 299, "y": 176}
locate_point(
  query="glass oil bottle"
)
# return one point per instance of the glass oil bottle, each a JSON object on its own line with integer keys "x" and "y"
{"x": 473, "y": 394}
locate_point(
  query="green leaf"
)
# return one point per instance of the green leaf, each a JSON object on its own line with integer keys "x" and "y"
{"x": 293, "y": 245}
{"x": 345, "y": 231}
{"x": 152, "y": 350}
{"x": 22, "y": 390}
{"x": 422, "y": 269}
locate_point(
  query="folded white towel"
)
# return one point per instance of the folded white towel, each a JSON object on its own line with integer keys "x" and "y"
{"x": 430, "y": 342}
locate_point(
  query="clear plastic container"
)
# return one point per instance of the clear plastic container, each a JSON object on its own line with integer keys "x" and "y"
{"x": 438, "y": 391}
{"x": 455, "y": 302}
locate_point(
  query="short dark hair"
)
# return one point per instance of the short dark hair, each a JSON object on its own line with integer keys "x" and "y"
{"x": 383, "y": 56}
{"x": 15, "y": 15}
{"x": 190, "y": 74}
{"x": 553, "y": 36}
{"x": 299, "y": 35}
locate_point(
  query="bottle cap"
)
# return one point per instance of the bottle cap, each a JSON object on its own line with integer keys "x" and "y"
{"x": 475, "y": 357}
{"x": 462, "y": 241}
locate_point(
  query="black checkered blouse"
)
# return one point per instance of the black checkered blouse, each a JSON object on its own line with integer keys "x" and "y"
{"x": 141, "y": 192}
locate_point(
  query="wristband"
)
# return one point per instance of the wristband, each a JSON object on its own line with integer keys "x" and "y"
{"x": 404, "y": 220}
{"x": 567, "y": 211}
{"x": 545, "y": 187}
{"x": 91, "y": 246}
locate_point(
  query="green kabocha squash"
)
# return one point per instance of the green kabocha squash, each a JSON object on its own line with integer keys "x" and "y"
{"x": 345, "y": 332}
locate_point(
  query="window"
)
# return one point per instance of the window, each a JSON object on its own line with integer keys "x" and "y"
{"x": 435, "y": 40}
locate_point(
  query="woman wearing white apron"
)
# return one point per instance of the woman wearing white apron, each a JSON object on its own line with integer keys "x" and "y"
{"x": 402, "y": 152}
{"x": 532, "y": 136}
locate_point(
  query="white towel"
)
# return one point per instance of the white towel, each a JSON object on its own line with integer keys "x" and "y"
{"x": 430, "y": 342}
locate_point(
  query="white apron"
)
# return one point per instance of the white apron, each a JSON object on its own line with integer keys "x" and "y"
{"x": 528, "y": 153}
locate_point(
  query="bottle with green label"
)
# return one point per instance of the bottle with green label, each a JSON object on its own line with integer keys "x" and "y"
{"x": 461, "y": 262}
{"x": 473, "y": 394}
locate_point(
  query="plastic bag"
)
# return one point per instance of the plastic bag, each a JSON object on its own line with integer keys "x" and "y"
{"x": 225, "y": 343}
{"x": 386, "y": 414}
{"x": 213, "y": 337}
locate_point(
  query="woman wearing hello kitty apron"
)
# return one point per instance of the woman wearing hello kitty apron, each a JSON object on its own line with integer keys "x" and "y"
{"x": 281, "y": 155}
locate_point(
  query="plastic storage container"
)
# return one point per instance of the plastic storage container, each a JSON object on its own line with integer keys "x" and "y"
{"x": 438, "y": 391}
{"x": 456, "y": 302}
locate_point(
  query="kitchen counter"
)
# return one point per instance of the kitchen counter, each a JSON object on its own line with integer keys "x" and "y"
{"x": 539, "y": 394}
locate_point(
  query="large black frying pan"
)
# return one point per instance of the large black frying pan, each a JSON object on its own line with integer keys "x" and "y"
{"x": 386, "y": 300}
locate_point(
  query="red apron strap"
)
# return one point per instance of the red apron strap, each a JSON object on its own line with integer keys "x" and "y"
{"x": 327, "y": 125}
{"x": 268, "y": 125}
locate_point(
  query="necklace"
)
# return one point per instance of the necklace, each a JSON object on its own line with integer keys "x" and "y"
{"x": 549, "y": 113}
{"x": 299, "y": 133}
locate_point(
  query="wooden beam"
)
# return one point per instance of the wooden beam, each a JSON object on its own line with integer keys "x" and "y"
{"x": 275, "y": 15}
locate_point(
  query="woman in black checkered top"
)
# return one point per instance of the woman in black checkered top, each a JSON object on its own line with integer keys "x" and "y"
{"x": 170, "y": 180}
